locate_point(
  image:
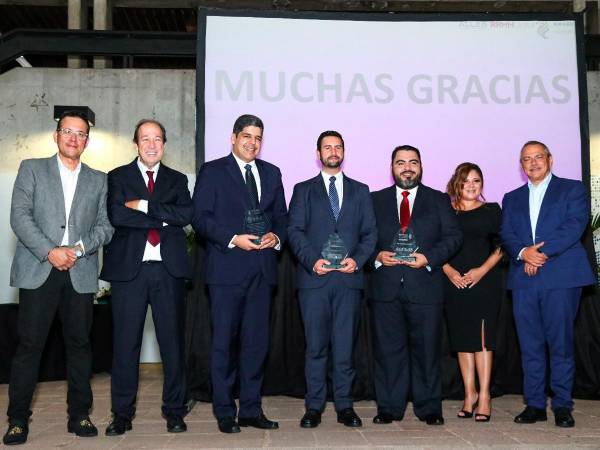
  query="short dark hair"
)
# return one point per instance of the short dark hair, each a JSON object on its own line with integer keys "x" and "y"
{"x": 327, "y": 133}
{"x": 409, "y": 148}
{"x": 541, "y": 144}
{"x": 247, "y": 120}
{"x": 73, "y": 113}
{"x": 144, "y": 122}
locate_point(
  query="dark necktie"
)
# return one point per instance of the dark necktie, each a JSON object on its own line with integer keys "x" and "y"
{"x": 153, "y": 234}
{"x": 251, "y": 185}
{"x": 404, "y": 211}
{"x": 334, "y": 199}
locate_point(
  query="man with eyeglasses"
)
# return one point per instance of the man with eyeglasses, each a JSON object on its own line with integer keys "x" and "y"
{"x": 58, "y": 213}
{"x": 542, "y": 225}
{"x": 147, "y": 264}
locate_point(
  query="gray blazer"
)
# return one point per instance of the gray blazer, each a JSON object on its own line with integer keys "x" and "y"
{"x": 37, "y": 217}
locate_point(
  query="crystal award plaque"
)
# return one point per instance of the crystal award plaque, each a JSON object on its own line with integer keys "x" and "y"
{"x": 256, "y": 223}
{"x": 334, "y": 251}
{"x": 403, "y": 245}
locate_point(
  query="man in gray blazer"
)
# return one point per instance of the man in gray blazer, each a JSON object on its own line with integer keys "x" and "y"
{"x": 58, "y": 214}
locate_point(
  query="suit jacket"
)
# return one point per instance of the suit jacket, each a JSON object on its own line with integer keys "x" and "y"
{"x": 37, "y": 217}
{"x": 220, "y": 201}
{"x": 564, "y": 214}
{"x": 169, "y": 203}
{"x": 311, "y": 221}
{"x": 438, "y": 236}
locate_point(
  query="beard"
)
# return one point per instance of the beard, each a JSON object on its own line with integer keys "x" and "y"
{"x": 408, "y": 183}
{"x": 333, "y": 164}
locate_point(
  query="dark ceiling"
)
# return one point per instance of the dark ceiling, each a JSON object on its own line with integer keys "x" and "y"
{"x": 181, "y": 16}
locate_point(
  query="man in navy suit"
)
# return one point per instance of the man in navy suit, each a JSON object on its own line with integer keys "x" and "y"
{"x": 542, "y": 225}
{"x": 241, "y": 269}
{"x": 146, "y": 263}
{"x": 408, "y": 296}
{"x": 330, "y": 297}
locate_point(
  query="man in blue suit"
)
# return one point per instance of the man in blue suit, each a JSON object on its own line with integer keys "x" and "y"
{"x": 542, "y": 225}
{"x": 146, "y": 263}
{"x": 330, "y": 297}
{"x": 241, "y": 269}
{"x": 408, "y": 295}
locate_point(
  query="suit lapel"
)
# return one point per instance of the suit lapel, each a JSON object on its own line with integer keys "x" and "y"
{"x": 348, "y": 197}
{"x": 54, "y": 176}
{"x": 237, "y": 178}
{"x": 549, "y": 199}
{"x": 265, "y": 183}
{"x": 322, "y": 196}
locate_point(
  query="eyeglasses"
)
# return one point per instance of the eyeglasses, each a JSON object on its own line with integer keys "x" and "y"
{"x": 79, "y": 135}
{"x": 537, "y": 157}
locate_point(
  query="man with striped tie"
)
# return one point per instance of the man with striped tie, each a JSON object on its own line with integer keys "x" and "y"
{"x": 334, "y": 212}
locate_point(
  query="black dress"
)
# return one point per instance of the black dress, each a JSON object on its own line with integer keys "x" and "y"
{"x": 470, "y": 308}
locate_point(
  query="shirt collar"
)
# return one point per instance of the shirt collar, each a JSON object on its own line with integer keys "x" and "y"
{"x": 62, "y": 167}
{"x": 144, "y": 169}
{"x": 543, "y": 184}
{"x": 412, "y": 191}
{"x": 242, "y": 163}
{"x": 338, "y": 176}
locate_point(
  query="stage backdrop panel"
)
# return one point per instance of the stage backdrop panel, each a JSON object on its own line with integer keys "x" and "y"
{"x": 470, "y": 90}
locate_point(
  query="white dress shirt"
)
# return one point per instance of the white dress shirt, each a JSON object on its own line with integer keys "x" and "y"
{"x": 242, "y": 166}
{"x": 536, "y": 197}
{"x": 68, "y": 180}
{"x": 151, "y": 253}
{"x": 412, "y": 193}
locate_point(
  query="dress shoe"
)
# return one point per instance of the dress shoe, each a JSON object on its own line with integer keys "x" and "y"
{"x": 228, "y": 425}
{"x": 433, "y": 419}
{"x": 118, "y": 426}
{"x": 349, "y": 418}
{"x": 531, "y": 415}
{"x": 385, "y": 418}
{"x": 175, "y": 424}
{"x": 258, "y": 422}
{"x": 82, "y": 427}
{"x": 16, "y": 434}
{"x": 563, "y": 418}
{"x": 310, "y": 419}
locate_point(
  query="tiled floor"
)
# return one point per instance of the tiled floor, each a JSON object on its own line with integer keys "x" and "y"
{"x": 48, "y": 425}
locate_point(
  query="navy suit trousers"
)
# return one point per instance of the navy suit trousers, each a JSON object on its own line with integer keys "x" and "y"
{"x": 546, "y": 317}
{"x": 240, "y": 316}
{"x": 155, "y": 286}
{"x": 330, "y": 315}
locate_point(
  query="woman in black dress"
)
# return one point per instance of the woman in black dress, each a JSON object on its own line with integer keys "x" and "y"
{"x": 473, "y": 288}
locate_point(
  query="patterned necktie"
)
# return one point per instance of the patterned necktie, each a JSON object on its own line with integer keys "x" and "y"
{"x": 404, "y": 211}
{"x": 334, "y": 199}
{"x": 251, "y": 185}
{"x": 153, "y": 234}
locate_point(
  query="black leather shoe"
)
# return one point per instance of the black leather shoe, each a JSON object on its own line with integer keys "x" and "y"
{"x": 228, "y": 425}
{"x": 531, "y": 415}
{"x": 118, "y": 426}
{"x": 385, "y": 418}
{"x": 175, "y": 424}
{"x": 433, "y": 419}
{"x": 563, "y": 418}
{"x": 310, "y": 419}
{"x": 349, "y": 418}
{"x": 16, "y": 434}
{"x": 82, "y": 427}
{"x": 258, "y": 422}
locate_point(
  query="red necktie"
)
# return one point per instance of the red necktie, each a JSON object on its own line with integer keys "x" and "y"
{"x": 404, "y": 211}
{"x": 153, "y": 234}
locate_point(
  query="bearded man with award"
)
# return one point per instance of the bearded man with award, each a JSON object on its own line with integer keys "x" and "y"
{"x": 417, "y": 233}
{"x": 332, "y": 232}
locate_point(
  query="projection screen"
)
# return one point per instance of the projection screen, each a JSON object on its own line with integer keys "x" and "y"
{"x": 459, "y": 90}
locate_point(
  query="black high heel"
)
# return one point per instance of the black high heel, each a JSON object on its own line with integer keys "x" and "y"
{"x": 467, "y": 414}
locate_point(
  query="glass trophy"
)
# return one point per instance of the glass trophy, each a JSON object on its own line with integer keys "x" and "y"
{"x": 404, "y": 244}
{"x": 256, "y": 223}
{"x": 334, "y": 251}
